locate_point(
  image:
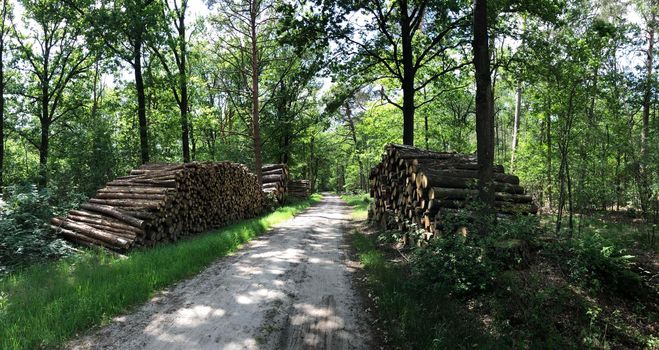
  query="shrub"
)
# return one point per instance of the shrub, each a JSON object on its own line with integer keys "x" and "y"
{"x": 25, "y": 235}
{"x": 597, "y": 264}
{"x": 454, "y": 264}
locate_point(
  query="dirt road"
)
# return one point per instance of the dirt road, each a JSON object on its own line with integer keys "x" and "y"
{"x": 289, "y": 289}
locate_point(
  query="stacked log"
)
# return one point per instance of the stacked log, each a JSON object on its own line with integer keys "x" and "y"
{"x": 274, "y": 180}
{"x": 299, "y": 189}
{"x": 163, "y": 202}
{"x": 415, "y": 186}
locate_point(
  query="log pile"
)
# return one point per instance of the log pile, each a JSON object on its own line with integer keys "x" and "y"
{"x": 299, "y": 189}
{"x": 274, "y": 180}
{"x": 415, "y": 186}
{"x": 163, "y": 202}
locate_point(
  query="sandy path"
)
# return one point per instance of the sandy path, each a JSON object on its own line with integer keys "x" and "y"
{"x": 289, "y": 289}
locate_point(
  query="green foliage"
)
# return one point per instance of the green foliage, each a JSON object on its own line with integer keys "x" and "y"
{"x": 454, "y": 264}
{"x": 414, "y": 317}
{"x": 26, "y": 236}
{"x": 537, "y": 313}
{"x": 86, "y": 290}
{"x": 597, "y": 264}
{"x": 549, "y": 299}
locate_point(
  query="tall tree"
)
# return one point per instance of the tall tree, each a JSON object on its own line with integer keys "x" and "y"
{"x": 175, "y": 11}
{"x": 4, "y": 33}
{"x": 50, "y": 44}
{"x": 122, "y": 27}
{"x": 247, "y": 35}
{"x": 255, "y": 12}
{"x": 484, "y": 105}
{"x": 516, "y": 120}
{"x": 651, "y": 27}
{"x": 394, "y": 41}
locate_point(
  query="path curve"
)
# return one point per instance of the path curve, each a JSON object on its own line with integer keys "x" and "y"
{"x": 289, "y": 289}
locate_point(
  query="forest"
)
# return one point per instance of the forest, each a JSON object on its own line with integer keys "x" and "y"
{"x": 563, "y": 94}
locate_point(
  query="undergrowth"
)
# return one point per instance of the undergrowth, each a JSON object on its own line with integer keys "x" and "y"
{"x": 25, "y": 234}
{"x": 511, "y": 289}
{"x": 46, "y": 304}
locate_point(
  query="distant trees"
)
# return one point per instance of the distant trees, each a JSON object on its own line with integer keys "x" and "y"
{"x": 246, "y": 29}
{"x": 122, "y": 28}
{"x": 406, "y": 44}
{"x": 174, "y": 48}
{"x": 50, "y": 41}
{"x": 159, "y": 80}
{"x": 651, "y": 23}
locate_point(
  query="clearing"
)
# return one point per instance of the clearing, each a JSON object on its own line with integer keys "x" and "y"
{"x": 289, "y": 289}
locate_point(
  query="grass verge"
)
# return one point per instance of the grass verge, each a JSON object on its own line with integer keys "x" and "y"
{"x": 47, "y": 304}
{"x": 360, "y": 203}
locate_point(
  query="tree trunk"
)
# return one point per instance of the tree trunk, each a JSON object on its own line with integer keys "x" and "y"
{"x": 561, "y": 196}
{"x": 141, "y": 99}
{"x": 425, "y": 124}
{"x": 2, "y": 119}
{"x": 285, "y": 148}
{"x": 484, "y": 108}
{"x": 518, "y": 110}
{"x": 311, "y": 170}
{"x": 569, "y": 196}
{"x": 193, "y": 142}
{"x": 256, "y": 131}
{"x": 3, "y": 29}
{"x": 408, "y": 76}
{"x": 549, "y": 169}
{"x": 44, "y": 119}
{"x": 645, "y": 132}
{"x": 353, "y": 134}
{"x": 2, "y": 102}
{"x": 183, "y": 76}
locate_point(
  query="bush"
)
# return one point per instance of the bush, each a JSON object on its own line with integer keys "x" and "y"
{"x": 25, "y": 235}
{"x": 596, "y": 263}
{"x": 454, "y": 264}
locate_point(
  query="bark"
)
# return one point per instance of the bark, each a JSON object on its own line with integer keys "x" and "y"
{"x": 313, "y": 164}
{"x": 564, "y": 170}
{"x": 193, "y": 142}
{"x": 425, "y": 126}
{"x": 408, "y": 75}
{"x": 45, "y": 127}
{"x": 183, "y": 76}
{"x": 256, "y": 130}
{"x": 353, "y": 134}
{"x": 141, "y": 99}
{"x": 2, "y": 91}
{"x": 484, "y": 108}
{"x": 647, "y": 95}
{"x": 561, "y": 197}
{"x": 549, "y": 169}
{"x": 285, "y": 147}
{"x": 518, "y": 110}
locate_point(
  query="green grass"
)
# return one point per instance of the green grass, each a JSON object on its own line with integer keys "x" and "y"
{"x": 46, "y": 305}
{"x": 622, "y": 234}
{"x": 360, "y": 203}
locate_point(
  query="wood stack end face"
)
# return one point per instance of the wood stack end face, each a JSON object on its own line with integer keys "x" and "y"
{"x": 412, "y": 186}
{"x": 164, "y": 202}
{"x": 274, "y": 181}
{"x": 299, "y": 189}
